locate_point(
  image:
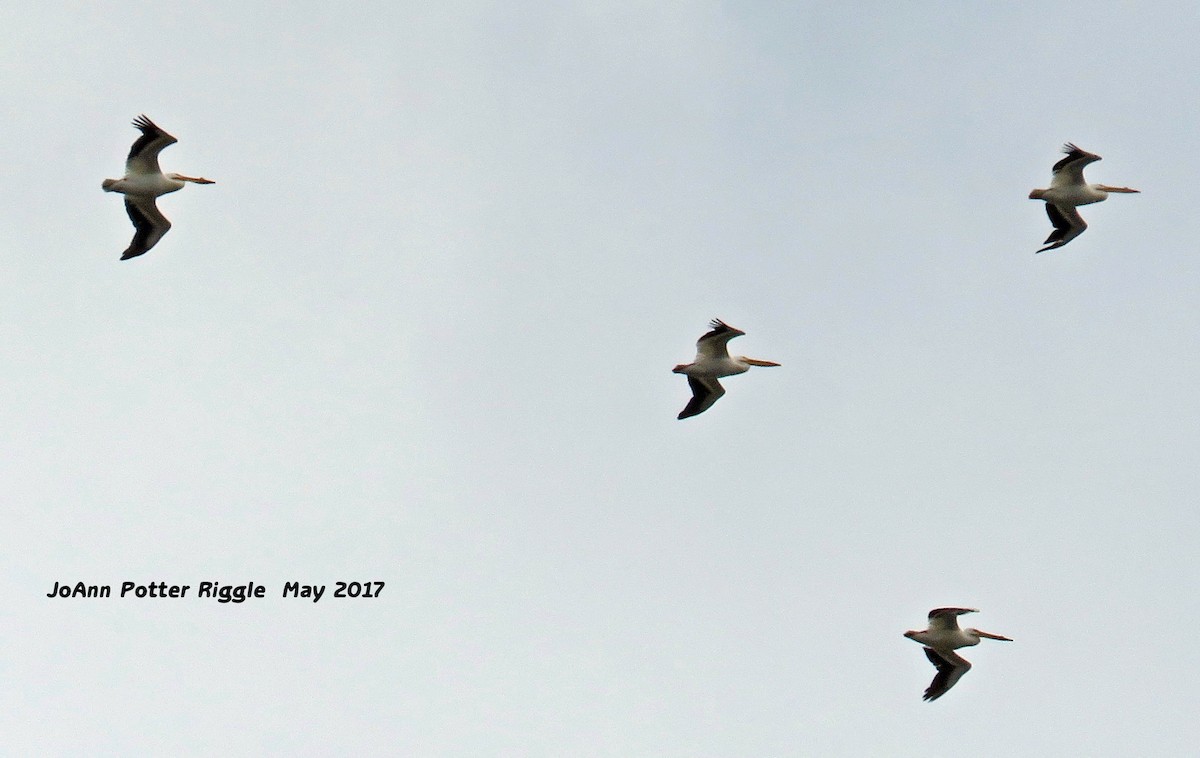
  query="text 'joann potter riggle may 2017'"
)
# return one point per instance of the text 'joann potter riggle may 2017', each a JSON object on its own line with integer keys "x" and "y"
{"x": 222, "y": 593}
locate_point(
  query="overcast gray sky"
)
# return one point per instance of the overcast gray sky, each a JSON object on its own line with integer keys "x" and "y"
{"x": 421, "y": 329}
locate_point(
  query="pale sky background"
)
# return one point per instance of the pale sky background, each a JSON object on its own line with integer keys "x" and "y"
{"x": 421, "y": 332}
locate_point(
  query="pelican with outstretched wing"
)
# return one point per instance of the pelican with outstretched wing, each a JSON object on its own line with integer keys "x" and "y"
{"x": 941, "y": 639}
{"x": 144, "y": 181}
{"x": 713, "y": 361}
{"x": 1067, "y": 191}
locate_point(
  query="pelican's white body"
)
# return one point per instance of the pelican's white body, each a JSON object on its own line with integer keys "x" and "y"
{"x": 709, "y": 366}
{"x": 946, "y": 639}
{"x": 147, "y": 186}
{"x": 1071, "y": 195}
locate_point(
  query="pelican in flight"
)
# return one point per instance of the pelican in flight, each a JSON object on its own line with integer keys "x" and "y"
{"x": 1067, "y": 191}
{"x": 143, "y": 182}
{"x": 713, "y": 361}
{"x": 941, "y": 639}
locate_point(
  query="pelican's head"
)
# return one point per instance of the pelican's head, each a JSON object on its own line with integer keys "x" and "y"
{"x": 756, "y": 362}
{"x": 991, "y": 636}
{"x": 192, "y": 179}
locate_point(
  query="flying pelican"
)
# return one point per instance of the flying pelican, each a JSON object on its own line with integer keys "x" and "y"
{"x": 143, "y": 182}
{"x": 712, "y": 362}
{"x": 941, "y": 639}
{"x": 1067, "y": 191}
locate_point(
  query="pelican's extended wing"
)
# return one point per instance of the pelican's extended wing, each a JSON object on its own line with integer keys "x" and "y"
{"x": 1068, "y": 225}
{"x": 705, "y": 392}
{"x": 1069, "y": 170}
{"x": 143, "y": 156}
{"x": 148, "y": 223}
{"x": 950, "y": 668}
{"x": 715, "y": 344}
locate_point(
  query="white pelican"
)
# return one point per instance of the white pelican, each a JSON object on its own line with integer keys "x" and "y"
{"x": 712, "y": 362}
{"x": 1067, "y": 191}
{"x": 941, "y": 639}
{"x": 143, "y": 182}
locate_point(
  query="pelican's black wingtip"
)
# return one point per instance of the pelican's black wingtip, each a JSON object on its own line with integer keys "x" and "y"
{"x": 144, "y": 123}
